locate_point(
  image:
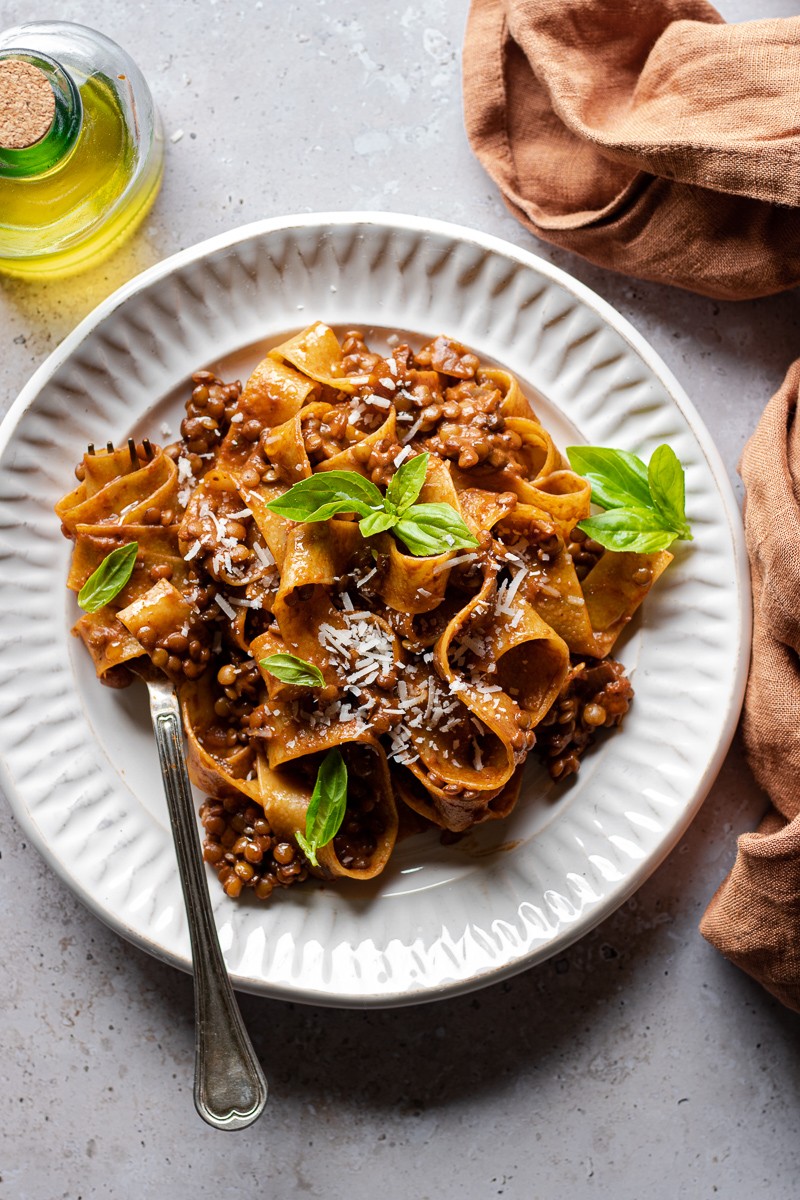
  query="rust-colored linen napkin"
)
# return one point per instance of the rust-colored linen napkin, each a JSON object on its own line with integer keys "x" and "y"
{"x": 648, "y": 136}
{"x": 754, "y": 918}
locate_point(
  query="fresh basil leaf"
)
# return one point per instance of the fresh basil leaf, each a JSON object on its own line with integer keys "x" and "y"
{"x": 109, "y": 579}
{"x": 406, "y": 484}
{"x": 290, "y": 669}
{"x": 326, "y": 808}
{"x": 433, "y": 529}
{"x": 651, "y": 498}
{"x": 424, "y": 528}
{"x": 377, "y": 522}
{"x": 635, "y": 530}
{"x": 618, "y": 479}
{"x": 668, "y": 489}
{"x": 327, "y": 493}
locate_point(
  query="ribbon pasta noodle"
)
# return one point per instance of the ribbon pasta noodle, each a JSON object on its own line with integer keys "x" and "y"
{"x": 440, "y": 672}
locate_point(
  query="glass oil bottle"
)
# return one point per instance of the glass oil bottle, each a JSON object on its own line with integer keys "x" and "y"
{"x": 81, "y": 148}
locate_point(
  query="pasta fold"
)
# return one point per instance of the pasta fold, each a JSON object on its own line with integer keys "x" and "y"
{"x": 427, "y": 679}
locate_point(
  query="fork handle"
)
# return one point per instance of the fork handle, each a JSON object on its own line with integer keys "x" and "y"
{"x": 230, "y": 1089}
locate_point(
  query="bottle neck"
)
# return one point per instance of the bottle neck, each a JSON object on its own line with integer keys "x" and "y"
{"x": 58, "y": 141}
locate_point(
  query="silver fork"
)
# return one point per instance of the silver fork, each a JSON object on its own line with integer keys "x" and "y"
{"x": 230, "y": 1090}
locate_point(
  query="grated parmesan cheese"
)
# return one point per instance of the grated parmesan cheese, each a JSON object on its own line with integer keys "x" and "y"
{"x": 184, "y": 470}
{"x": 264, "y": 555}
{"x": 507, "y": 591}
{"x": 230, "y": 612}
{"x": 409, "y": 433}
{"x": 453, "y": 562}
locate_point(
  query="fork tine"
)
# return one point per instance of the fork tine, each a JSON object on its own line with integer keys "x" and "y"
{"x": 133, "y": 454}
{"x": 110, "y": 447}
{"x": 90, "y": 448}
{"x": 148, "y": 449}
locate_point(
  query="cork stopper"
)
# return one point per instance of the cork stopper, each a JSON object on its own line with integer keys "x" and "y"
{"x": 27, "y": 104}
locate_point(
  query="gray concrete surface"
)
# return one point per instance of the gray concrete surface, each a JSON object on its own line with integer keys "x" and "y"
{"x": 637, "y": 1065}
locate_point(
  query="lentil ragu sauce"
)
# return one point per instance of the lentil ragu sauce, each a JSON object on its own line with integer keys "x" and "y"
{"x": 452, "y": 729}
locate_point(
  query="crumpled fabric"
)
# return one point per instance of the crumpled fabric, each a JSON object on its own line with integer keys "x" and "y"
{"x": 648, "y": 136}
{"x": 754, "y": 917}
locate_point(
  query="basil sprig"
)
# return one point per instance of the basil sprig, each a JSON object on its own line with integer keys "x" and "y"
{"x": 109, "y": 579}
{"x": 644, "y": 503}
{"x": 433, "y": 529}
{"x": 291, "y": 669}
{"x": 326, "y": 808}
{"x": 423, "y": 528}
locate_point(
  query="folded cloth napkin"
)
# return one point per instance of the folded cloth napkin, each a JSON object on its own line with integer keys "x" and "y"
{"x": 754, "y": 918}
{"x": 646, "y": 135}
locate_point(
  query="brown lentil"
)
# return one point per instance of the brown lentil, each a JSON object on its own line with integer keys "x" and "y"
{"x": 584, "y": 551}
{"x": 597, "y": 695}
{"x": 240, "y": 846}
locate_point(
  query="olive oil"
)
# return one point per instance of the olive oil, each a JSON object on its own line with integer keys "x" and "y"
{"x": 72, "y": 195}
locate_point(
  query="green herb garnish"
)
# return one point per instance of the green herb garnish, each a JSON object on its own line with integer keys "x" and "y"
{"x": 290, "y": 669}
{"x": 406, "y": 484}
{"x": 109, "y": 579}
{"x": 645, "y": 504}
{"x": 423, "y": 528}
{"x": 326, "y": 494}
{"x": 327, "y": 806}
{"x": 433, "y": 529}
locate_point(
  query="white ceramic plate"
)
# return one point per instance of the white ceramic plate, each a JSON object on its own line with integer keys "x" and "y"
{"x": 78, "y": 759}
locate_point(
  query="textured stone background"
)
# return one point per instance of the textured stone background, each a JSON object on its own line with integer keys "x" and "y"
{"x": 637, "y": 1064}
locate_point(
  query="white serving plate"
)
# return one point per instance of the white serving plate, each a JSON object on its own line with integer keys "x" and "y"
{"x": 78, "y": 761}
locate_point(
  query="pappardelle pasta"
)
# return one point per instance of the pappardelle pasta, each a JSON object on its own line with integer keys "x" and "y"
{"x": 364, "y": 574}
